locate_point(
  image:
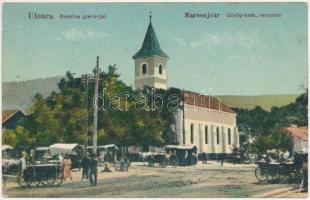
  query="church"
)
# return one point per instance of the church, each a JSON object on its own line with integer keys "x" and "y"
{"x": 203, "y": 121}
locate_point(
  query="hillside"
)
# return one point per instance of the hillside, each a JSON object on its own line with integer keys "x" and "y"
{"x": 264, "y": 101}
{"x": 18, "y": 95}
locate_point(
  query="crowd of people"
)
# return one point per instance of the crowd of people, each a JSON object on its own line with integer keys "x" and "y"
{"x": 89, "y": 167}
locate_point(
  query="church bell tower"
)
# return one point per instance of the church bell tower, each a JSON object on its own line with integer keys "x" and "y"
{"x": 150, "y": 62}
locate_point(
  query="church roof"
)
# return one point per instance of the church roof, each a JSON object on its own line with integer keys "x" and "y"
{"x": 200, "y": 100}
{"x": 150, "y": 46}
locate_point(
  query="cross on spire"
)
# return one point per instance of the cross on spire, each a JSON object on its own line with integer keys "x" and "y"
{"x": 150, "y": 16}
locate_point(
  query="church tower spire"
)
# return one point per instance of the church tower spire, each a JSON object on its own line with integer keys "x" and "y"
{"x": 150, "y": 62}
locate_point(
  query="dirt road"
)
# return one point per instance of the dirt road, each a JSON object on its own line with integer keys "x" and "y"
{"x": 211, "y": 180}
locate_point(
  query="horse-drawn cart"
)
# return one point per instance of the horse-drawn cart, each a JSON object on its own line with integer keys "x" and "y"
{"x": 33, "y": 175}
{"x": 278, "y": 172}
{"x": 44, "y": 175}
{"x": 156, "y": 158}
{"x": 174, "y": 155}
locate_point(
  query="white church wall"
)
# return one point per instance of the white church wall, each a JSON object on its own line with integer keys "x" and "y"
{"x": 201, "y": 117}
{"x": 179, "y": 126}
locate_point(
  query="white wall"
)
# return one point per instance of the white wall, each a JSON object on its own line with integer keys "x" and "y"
{"x": 202, "y": 117}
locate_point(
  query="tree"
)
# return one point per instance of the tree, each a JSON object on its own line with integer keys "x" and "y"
{"x": 9, "y": 137}
{"x": 62, "y": 116}
{"x": 268, "y": 128}
{"x": 17, "y": 137}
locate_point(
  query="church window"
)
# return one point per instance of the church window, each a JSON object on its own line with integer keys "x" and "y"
{"x": 229, "y": 137}
{"x": 192, "y": 133}
{"x": 160, "y": 69}
{"x": 206, "y": 134}
{"x": 217, "y": 135}
{"x": 144, "y": 69}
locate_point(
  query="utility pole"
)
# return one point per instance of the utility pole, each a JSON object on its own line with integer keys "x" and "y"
{"x": 96, "y": 108}
{"x": 86, "y": 134}
{"x": 86, "y": 79}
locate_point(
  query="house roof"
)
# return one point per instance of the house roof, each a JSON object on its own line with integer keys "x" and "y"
{"x": 7, "y": 114}
{"x": 150, "y": 46}
{"x": 200, "y": 100}
{"x": 300, "y": 132}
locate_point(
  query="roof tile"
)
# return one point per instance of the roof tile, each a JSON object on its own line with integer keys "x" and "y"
{"x": 200, "y": 100}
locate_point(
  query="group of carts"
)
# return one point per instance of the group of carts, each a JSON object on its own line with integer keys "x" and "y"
{"x": 285, "y": 171}
{"x": 174, "y": 155}
{"x": 51, "y": 174}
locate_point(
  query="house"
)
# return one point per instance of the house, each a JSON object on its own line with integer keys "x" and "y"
{"x": 300, "y": 138}
{"x": 203, "y": 121}
{"x": 11, "y": 118}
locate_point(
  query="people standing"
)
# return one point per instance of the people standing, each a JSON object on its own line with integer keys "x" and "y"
{"x": 186, "y": 162}
{"x": 60, "y": 158}
{"x": 85, "y": 166}
{"x": 67, "y": 167}
{"x": 23, "y": 161}
{"x": 32, "y": 156}
{"x": 103, "y": 156}
{"x": 305, "y": 172}
{"x": 93, "y": 170}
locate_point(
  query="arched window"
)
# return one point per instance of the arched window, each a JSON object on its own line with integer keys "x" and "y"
{"x": 192, "y": 133}
{"x": 160, "y": 69}
{"x": 206, "y": 134}
{"x": 144, "y": 69}
{"x": 217, "y": 135}
{"x": 229, "y": 136}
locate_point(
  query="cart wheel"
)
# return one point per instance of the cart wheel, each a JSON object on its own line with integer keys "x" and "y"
{"x": 151, "y": 161}
{"x": 40, "y": 182}
{"x": 282, "y": 178}
{"x": 21, "y": 181}
{"x": 164, "y": 162}
{"x": 296, "y": 176}
{"x": 59, "y": 179}
{"x": 173, "y": 162}
{"x": 51, "y": 176}
{"x": 274, "y": 178}
{"x": 36, "y": 183}
{"x": 50, "y": 181}
{"x": 259, "y": 175}
{"x": 269, "y": 178}
{"x": 24, "y": 182}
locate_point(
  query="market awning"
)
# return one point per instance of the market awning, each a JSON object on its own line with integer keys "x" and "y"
{"x": 5, "y": 147}
{"x": 59, "y": 148}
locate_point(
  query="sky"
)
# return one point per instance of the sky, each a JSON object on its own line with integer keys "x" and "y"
{"x": 233, "y": 56}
